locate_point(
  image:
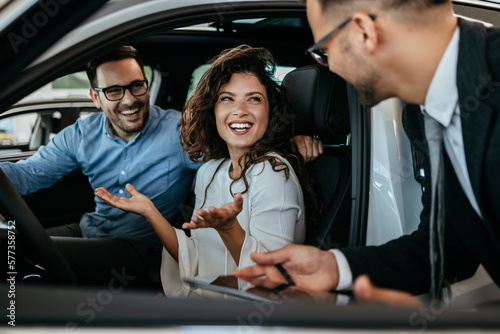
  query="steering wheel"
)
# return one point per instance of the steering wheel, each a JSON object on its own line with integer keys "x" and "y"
{"x": 32, "y": 231}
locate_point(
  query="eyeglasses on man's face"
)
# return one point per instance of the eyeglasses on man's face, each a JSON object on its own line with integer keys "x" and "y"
{"x": 116, "y": 93}
{"x": 317, "y": 53}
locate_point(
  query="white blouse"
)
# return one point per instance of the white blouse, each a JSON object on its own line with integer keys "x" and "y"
{"x": 273, "y": 216}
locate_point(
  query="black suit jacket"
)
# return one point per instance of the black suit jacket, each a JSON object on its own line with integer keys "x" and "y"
{"x": 404, "y": 263}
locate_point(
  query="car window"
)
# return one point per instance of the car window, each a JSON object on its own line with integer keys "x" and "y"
{"x": 279, "y": 75}
{"x": 36, "y": 124}
{"x": 71, "y": 86}
{"x": 16, "y": 130}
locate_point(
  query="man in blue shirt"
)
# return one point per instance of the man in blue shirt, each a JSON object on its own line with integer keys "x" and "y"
{"x": 129, "y": 142}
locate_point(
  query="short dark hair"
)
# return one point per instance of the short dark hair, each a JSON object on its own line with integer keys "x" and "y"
{"x": 388, "y": 4}
{"x": 413, "y": 12}
{"x": 123, "y": 52}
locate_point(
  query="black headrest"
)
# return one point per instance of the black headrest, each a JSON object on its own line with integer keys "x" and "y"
{"x": 318, "y": 99}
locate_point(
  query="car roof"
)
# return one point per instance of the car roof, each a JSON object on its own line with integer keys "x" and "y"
{"x": 127, "y": 22}
{"x": 116, "y": 13}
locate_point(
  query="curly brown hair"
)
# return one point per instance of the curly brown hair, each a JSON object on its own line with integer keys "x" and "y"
{"x": 199, "y": 136}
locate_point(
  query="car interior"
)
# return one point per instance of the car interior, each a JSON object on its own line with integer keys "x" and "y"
{"x": 319, "y": 102}
{"x": 177, "y": 59}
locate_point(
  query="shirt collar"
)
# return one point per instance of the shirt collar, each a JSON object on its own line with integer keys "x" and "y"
{"x": 107, "y": 127}
{"x": 442, "y": 96}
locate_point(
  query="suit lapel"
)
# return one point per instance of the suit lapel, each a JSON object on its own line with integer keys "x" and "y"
{"x": 473, "y": 80}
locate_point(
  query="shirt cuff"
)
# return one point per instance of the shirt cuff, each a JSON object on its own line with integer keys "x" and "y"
{"x": 345, "y": 273}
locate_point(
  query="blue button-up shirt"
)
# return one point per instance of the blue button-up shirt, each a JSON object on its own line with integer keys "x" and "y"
{"x": 153, "y": 162}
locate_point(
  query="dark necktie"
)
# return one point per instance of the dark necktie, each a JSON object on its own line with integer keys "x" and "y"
{"x": 434, "y": 136}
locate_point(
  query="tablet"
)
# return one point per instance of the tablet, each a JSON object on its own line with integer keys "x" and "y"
{"x": 230, "y": 285}
{"x": 277, "y": 293}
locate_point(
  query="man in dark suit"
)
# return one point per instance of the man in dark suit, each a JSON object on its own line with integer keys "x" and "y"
{"x": 449, "y": 69}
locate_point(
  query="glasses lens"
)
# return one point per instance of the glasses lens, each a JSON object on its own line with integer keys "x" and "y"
{"x": 320, "y": 56}
{"x": 138, "y": 88}
{"x": 114, "y": 93}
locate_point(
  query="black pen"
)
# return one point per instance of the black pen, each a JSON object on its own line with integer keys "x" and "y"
{"x": 283, "y": 272}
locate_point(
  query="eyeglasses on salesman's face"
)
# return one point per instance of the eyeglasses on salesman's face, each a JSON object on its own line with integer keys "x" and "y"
{"x": 320, "y": 55}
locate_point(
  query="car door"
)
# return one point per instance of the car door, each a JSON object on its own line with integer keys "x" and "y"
{"x": 30, "y": 27}
{"x": 33, "y": 124}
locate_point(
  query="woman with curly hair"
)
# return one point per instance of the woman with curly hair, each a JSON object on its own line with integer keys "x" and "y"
{"x": 249, "y": 191}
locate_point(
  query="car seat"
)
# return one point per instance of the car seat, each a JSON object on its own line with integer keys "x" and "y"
{"x": 318, "y": 101}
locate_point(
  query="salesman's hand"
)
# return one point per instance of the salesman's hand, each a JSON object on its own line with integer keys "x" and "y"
{"x": 310, "y": 148}
{"x": 314, "y": 269}
{"x": 138, "y": 203}
{"x": 309, "y": 267}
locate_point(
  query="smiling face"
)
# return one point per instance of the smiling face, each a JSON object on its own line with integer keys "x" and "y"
{"x": 241, "y": 113}
{"x": 129, "y": 115}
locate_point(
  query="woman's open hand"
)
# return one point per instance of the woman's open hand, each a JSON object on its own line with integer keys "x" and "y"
{"x": 138, "y": 203}
{"x": 221, "y": 219}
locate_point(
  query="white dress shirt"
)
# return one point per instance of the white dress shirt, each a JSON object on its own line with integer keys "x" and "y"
{"x": 441, "y": 103}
